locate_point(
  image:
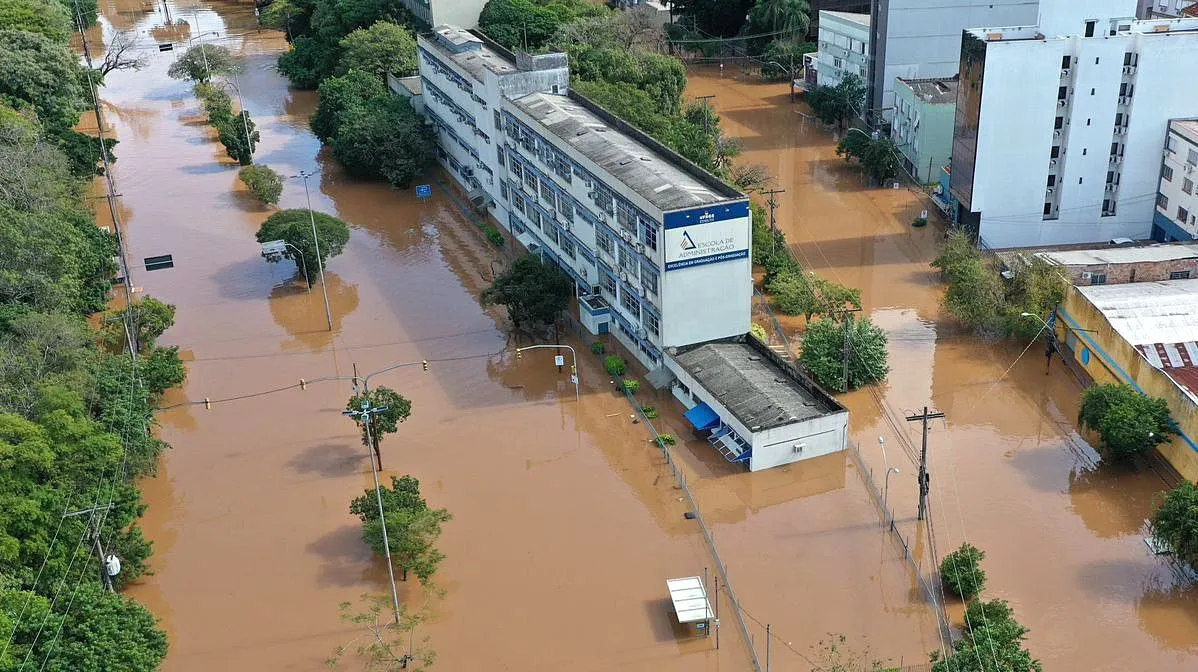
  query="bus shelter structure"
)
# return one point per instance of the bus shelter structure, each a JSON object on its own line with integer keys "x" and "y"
{"x": 689, "y": 596}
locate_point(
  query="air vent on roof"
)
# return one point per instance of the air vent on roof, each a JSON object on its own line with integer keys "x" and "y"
{"x": 582, "y": 132}
{"x": 754, "y": 358}
{"x": 645, "y": 158}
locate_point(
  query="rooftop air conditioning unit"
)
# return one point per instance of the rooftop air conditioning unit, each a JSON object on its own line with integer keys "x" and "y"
{"x": 624, "y": 278}
{"x": 1123, "y": 100}
{"x": 1061, "y": 102}
{"x": 1085, "y": 275}
{"x": 1064, "y": 72}
{"x": 1129, "y": 69}
{"x": 627, "y": 236}
{"x": 1189, "y": 167}
{"x": 1056, "y": 133}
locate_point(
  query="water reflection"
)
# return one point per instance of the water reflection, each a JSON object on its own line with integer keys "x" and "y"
{"x": 1110, "y": 500}
{"x": 1170, "y": 614}
{"x": 302, "y": 313}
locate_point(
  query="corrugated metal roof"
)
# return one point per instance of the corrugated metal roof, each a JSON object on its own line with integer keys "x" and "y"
{"x": 1149, "y": 312}
{"x": 1179, "y": 361}
{"x": 1122, "y": 255}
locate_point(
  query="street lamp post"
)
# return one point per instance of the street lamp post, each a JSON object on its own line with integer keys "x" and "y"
{"x": 245, "y": 120}
{"x": 1052, "y": 345}
{"x": 573, "y": 362}
{"x": 328, "y": 313}
{"x": 886, "y": 492}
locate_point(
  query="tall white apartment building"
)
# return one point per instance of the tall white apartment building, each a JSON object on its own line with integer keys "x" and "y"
{"x": 920, "y": 39}
{"x": 1059, "y": 126}
{"x": 1176, "y": 215}
{"x": 657, "y": 247}
{"x": 843, "y": 46}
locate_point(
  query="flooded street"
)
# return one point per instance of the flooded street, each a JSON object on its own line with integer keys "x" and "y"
{"x": 1009, "y": 471}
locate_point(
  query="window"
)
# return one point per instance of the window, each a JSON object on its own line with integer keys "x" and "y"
{"x": 1110, "y": 177}
{"x": 1091, "y": 91}
{"x": 836, "y": 62}
{"x": 1187, "y": 185}
{"x": 1167, "y": 173}
{"x": 1179, "y": 275}
{"x": 1060, "y": 123}
{"x": 1066, "y": 61}
{"x": 1123, "y": 89}
{"x": 498, "y": 121}
{"x": 516, "y": 171}
{"x": 649, "y": 277}
{"x": 1084, "y": 150}
{"x": 1127, "y": 58}
{"x": 566, "y": 207}
{"x": 1090, "y": 31}
{"x": 604, "y": 200}
{"x": 1087, "y": 122}
{"x": 1079, "y": 180}
{"x": 1062, "y": 92}
{"x": 517, "y": 200}
{"x": 626, "y": 219}
{"x": 1048, "y": 208}
{"x": 1162, "y": 201}
{"x": 627, "y": 262}
{"x": 1182, "y": 214}
{"x": 649, "y": 234}
{"x": 651, "y": 323}
{"x": 1098, "y": 278}
{"x": 1052, "y": 180}
{"x": 607, "y": 285}
{"x": 1192, "y": 159}
{"x": 546, "y": 192}
{"x": 604, "y": 241}
{"x": 630, "y": 304}
{"x": 1114, "y": 149}
{"x": 530, "y": 181}
{"x": 567, "y": 245}
{"x": 503, "y": 190}
{"x": 1056, "y": 152}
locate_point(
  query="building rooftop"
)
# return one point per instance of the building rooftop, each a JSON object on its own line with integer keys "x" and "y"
{"x": 1179, "y": 361}
{"x": 654, "y": 177}
{"x": 753, "y": 383}
{"x": 851, "y": 17}
{"x": 934, "y": 90}
{"x": 1187, "y": 128}
{"x": 472, "y": 54}
{"x": 1121, "y": 255}
{"x": 1149, "y": 312}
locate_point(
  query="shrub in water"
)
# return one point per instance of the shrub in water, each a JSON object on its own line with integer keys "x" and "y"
{"x": 615, "y": 365}
{"x": 962, "y": 571}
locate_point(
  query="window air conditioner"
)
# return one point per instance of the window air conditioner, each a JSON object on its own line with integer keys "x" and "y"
{"x": 1085, "y": 275}
{"x": 1051, "y": 190}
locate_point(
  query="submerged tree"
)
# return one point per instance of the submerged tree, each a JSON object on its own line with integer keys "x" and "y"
{"x": 383, "y": 645}
{"x": 1128, "y": 422}
{"x": 203, "y": 62}
{"x": 1176, "y": 521}
{"x": 535, "y": 293}
{"x": 412, "y": 527}
{"x": 295, "y": 228}
{"x": 824, "y": 347}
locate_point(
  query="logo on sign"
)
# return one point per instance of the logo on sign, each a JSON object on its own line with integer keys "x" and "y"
{"x": 706, "y": 217}
{"x": 687, "y": 242}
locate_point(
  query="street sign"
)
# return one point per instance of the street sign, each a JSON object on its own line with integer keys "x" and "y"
{"x": 424, "y": 190}
{"x": 574, "y": 379}
{"x": 559, "y": 360}
{"x": 166, "y": 46}
{"x": 159, "y": 262}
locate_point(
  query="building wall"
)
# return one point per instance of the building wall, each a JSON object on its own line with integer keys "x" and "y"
{"x": 922, "y": 38}
{"x": 843, "y": 48}
{"x": 1121, "y": 274}
{"x": 1178, "y": 189}
{"x": 1068, "y": 17}
{"x": 923, "y": 132}
{"x": 1107, "y": 358}
{"x": 1096, "y": 194}
{"x": 462, "y": 13}
{"x": 813, "y": 438}
{"x": 700, "y": 299}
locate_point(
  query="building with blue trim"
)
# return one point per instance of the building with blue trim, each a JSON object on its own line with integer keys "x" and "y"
{"x": 1176, "y": 214}
{"x": 658, "y": 248}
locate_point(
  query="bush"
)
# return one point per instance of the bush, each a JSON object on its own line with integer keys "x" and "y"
{"x": 632, "y": 386}
{"x": 823, "y": 353}
{"x": 1129, "y": 423}
{"x": 495, "y": 236}
{"x": 759, "y": 332}
{"x": 991, "y": 634}
{"x": 919, "y": 221}
{"x": 615, "y": 365}
{"x": 664, "y": 440}
{"x": 961, "y": 571}
{"x": 1176, "y": 522}
{"x": 649, "y": 412}
{"x": 265, "y": 184}
{"x": 597, "y": 347}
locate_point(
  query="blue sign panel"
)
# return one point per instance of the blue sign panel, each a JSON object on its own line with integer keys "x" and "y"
{"x": 706, "y": 236}
{"x": 424, "y": 190}
{"x": 674, "y": 220}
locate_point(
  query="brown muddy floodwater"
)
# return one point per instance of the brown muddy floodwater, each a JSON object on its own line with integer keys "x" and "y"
{"x": 1010, "y": 472}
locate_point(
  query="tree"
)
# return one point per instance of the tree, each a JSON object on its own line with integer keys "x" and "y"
{"x": 975, "y": 294}
{"x": 1129, "y": 423}
{"x": 149, "y": 318}
{"x": 962, "y": 573}
{"x": 810, "y": 296}
{"x": 48, "y": 19}
{"x": 336, "y": 97}
{"x": 722, "y": 18}
{"x": 835, "y": 655}
{"x": 824, "y": 352}
{"x": 535, "y": 293}
{"x": 783, "y": 59}
{"x": 787, "y": 18}
{"x": 239, "y": 136}
{"x": 380, "y": 49}
{"x": 993, "y": 642}
{"x": 527, "y": 25}
{"x": 203, "y": 62}
{"x": 878, "y": 156}
{"x": 163, "y": 369}
{"x": 1176, "y": 521}
{"x": 836, "y": 104}
{"x": 264, "y": 183}
{"x": 751, "y": 178}
{"x": 384, "y": 137}
{"x": 309, "y": 61}
{"x": 105, "y": 631}
{"x": 412, "y": 527}
{"x": 121, "y": 54}
{"x": 295, "y": 228}
{"x": 384, "y": 646}
{"x": 397, "y": 410}
{"x": 42, "y": 75}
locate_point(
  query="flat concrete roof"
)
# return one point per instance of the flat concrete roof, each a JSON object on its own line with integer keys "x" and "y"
{"x": 476, "y": 57}
{"x": 1165, "y": 311}
{"x": 851, "y": 17}
{"x": 1122, "y": 255}
{"x": 1186, "y": 128}
{"x": 753, "y": 383}
{"x": 934, "y": 90}
{"x": 656, "y": 179}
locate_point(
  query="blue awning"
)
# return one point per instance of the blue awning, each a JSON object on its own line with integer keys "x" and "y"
{"x": 702, "y": 417}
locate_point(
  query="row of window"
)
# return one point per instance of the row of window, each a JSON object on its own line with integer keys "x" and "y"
{"x": 440, "y": 124}
{"x": 1187, "y": 185}
{"x": 447, "y": 73}
{"x": 1183, "y": 214}
{"x": 629, "y": 300}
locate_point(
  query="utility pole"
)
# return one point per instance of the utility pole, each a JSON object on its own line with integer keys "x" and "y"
{"x": 706, "y": 117}
{"x": 848, "y": 343}
{"x": 105, "y": 574}
{"x": 773, "y": 203}
{"x": 924, "y": 478}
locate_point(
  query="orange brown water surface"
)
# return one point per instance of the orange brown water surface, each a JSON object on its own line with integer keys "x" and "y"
{"x": 1010, "y": 473}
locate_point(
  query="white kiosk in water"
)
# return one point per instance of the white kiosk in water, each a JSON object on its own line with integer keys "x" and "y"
{"x": 689, "y": 596}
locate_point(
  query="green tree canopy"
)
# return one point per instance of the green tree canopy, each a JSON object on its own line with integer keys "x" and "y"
{"x": 309, "y": 61}
{"x": 789, "y": 18}
{"x": 43, "y": 75}
{"x": 263, "y": 182}
{"x": 47, "y": 18}
{"x": 380, "y": 49}
{"x": 878, "y": 156}
{"x": 398, "y": 409}
{"x": 722, "y": 18}
{"x": 783, "y": 59}
{"x": 993, "y": 642}
{"x": 811, "y": 296}
{"x": 412, "y": 527}
{"x": 384, "y": 137}
{"x": 295, "y": 227}
{"x": 203, "y": 62}
{"x": 149, "y": 317}
{"x": 528, "y": 24}
{"x": 535, "y": 293}
{"x": 1128, "y": 422}
{"x": 824, "y": 351}
{"x": 1176, "y": 521}
{"x": 962, "y": 573}
{"x": 338, "y": 96}
{"x": 240, "y": 137}
{"x": 839, "y": 103}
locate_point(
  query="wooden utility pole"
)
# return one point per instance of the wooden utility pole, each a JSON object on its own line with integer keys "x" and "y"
{"x": 773, "y": 203}
{"x": 848, "y": 343}
{"x": 706, "y": 117}
{"x": 924, "y": 478}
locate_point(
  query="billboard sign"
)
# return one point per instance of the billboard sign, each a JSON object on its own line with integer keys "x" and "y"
{"x": 707, "y": 236}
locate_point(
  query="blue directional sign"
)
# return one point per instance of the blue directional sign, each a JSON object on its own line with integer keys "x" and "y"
{"x": 424, "y": 191}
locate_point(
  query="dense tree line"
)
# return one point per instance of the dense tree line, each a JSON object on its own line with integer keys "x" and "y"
{"x": 76, "y": 412}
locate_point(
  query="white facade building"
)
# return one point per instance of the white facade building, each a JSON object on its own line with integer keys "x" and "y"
{"x": 454, "y": 12}
{"x": 919, "y": 39}
{"x": 1176, "y": 215}
{"x": 657, "y": 248}
{"x": 1164, "y": 9}
{"x": 1059, "y": 127}
{"x": 843, "y": 46}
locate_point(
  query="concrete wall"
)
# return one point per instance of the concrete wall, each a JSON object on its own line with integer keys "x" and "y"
{"x": 843, "y": 48}
{"x": 1177, "y": 174}
{"x": 1121, "y": 274}
{"x": 1068, "y": 17}
{"x": 799, "y": 441}
{"x": 922, "y": 38}
{"x": 1107, "y": 358}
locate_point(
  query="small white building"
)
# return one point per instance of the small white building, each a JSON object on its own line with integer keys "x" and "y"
{"x": 754, "y": 407}
{"x": 1176, "y": 216}
{"x": 843, "y": 46}
{"x": 1059, "y": 126}
{"x": 462, "y": 13}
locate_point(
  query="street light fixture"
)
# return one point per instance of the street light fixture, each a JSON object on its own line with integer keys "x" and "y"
{"x": 886, "y": 492}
